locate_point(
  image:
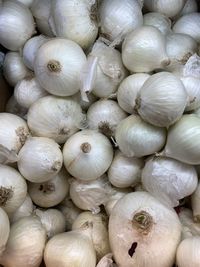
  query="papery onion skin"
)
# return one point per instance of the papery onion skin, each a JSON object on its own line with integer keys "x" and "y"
{"x": 16, "y": 25}
{"x": 140, "y": 229}
{"x": 169, "y": 180}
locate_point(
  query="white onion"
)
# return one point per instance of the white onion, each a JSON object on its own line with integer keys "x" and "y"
{"x": 25, "y": 244}
{"x": 158, "y": 20}
{"x": 13, "y": 135}
{"x": 16, "y": 25}
{"x": 30, "y": 49}
{"x": 59, "y": 122}
{"x": 140, "y": 228}
{"x": 75, "y": 20}
{"x": 169, "y": 8}
{"x": 52, "y": 220}
{"x": 90, "y": 195}
{"x": 179, "y": 48}
{"x": 41, "y": 11}
{"x": 50, "y": 193}
{"x": 40, "y": 159}
{"x": 13, "y": 189}
{"x": 28, "y": 91}
{"x": 99, "y": 224}
{"x": 189, "y": 24}
{"x": 87, "y": 155}
{"x": 162, "y": 99}
{"x": 110, "y": 70}
{"x": 189, "y": 7}
{"x": 124, "y": 171}
{"x": 137, "y": 138}
{"x": 4, "y": 230}
{"x": 183, "y": 141}
{"x": 104, "y": 116}
{"x": 57, "y": 66}
{"x": 143, "y": 50}
{"x": 188, "y": 252}
{"x": 13, "y": 107}
{"x": 128, "y": 90}
{"x": 119, "y": 17}
{"x": 169, "y": 180}
{"x": 14, "y": 69}
{"x": 24, "y": 210}
{"x": 74, "y": 249}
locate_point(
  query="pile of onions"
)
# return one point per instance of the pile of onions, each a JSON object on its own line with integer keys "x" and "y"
{"x": 99, "y": 133}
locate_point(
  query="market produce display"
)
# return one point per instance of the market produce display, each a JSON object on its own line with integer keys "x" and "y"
{"x": 99, "y": 133}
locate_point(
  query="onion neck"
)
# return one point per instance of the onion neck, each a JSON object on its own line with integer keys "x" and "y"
{"x": 105, "y": 128}
{"x": 143, "y": 222}
{"x": 86, "y": 147}
{"x": 5, "y": 195}
{"x": 54, "y": 66}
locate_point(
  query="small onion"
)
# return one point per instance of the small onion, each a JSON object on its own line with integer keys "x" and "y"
{"x": 110, "y": 70}
{"x": 87, "y": 155}
{"x": 52, "y": 220}
{"x": 143, "y": 50}
{"x": 59, "y": 122}
{"x": 13, "y": 189}
{"x": 75, "y": 20}
{"x": 41, "y": 11}
{"x": 30, "y": 49}
{"x": 104, "y": 115}
{"x": 183, "y": 140}
{"x": 14, "y": 69}
{"x": 188, "y": 252}
{"x": 28, "y": 91}
{"x": 4, "y": 230}
{"x": 99, "y": 230}
{"x": 169, "y": 180}
{"x": 189, "y": 24}
{"x": 74, "y": 249}
{"x": 13, "y": 135}
{"x": 25, "y": 244}
{"x": 14, "y": 108}
{"x": 119, "y": 17}
{"x": 137, "y": 138}
{"x": 128, "y": 90}
{"x": 58, "y": 65}
{"x": 124, "y": 171}
{"x": 50, "y": 193}
{"x": 158, "y": 20}
{"x": 16, "y": 25}
{"x": 162, "y": 99}
{"x": 40, "y": 159}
